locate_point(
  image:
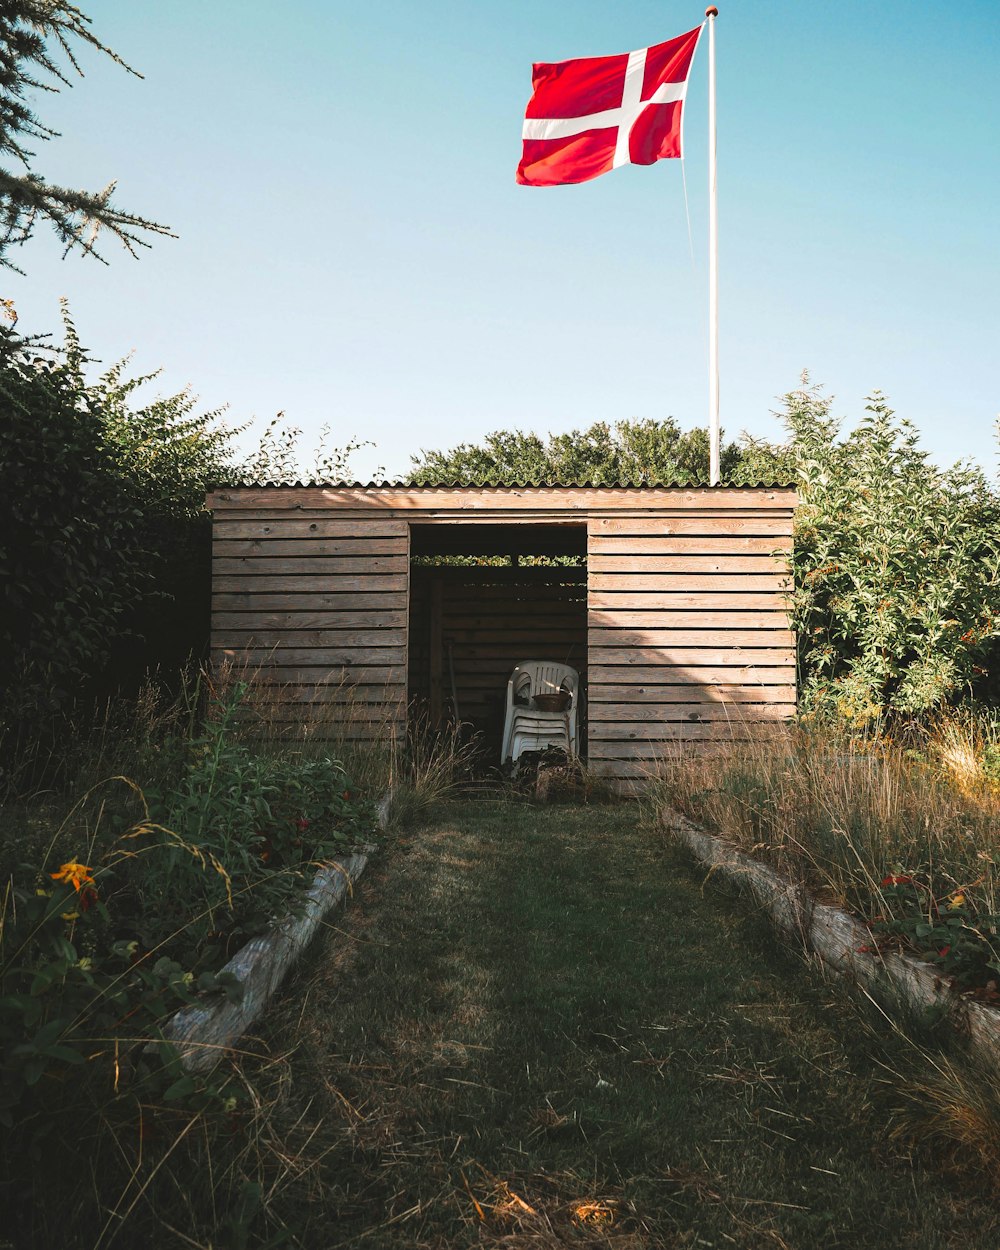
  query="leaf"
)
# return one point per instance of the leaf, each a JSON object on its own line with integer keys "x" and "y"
{"x": 180, "y": 1089}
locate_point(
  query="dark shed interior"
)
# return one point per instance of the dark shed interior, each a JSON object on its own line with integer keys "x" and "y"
{"x": 484, "y": 597}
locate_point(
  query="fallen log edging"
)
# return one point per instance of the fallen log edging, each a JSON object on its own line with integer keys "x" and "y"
{"x": 844, "y": 943}
{"x": 203, "y": 1032}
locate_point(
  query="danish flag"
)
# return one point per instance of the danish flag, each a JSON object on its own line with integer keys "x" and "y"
{"x": 592, "y": 114}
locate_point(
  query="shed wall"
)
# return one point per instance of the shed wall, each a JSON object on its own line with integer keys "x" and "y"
{"x": 688, "y": 635}
{"x": 317, "y": 608}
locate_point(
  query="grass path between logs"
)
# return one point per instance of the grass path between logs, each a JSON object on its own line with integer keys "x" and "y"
{"x": 538, "y": 1027}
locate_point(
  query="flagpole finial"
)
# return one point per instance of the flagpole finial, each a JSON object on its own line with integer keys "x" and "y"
{"x": 711, "y": 11}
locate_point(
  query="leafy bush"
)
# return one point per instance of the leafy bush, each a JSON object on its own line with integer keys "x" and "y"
{"x": 98, "y": 950}
{"x": 896, "y": 564}
{"x": 626, "y": 453}
{"x": 101, "y": 505}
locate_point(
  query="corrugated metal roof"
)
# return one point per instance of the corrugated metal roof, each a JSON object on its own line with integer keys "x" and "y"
{"x": 501, "y": 483}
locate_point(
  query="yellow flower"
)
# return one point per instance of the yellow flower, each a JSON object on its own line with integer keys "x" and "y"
{"x": 74, "y": 874}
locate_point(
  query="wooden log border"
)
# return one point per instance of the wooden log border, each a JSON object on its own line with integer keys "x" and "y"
{"x": 203, "y": 1033}
{"x": 845, "y": 944}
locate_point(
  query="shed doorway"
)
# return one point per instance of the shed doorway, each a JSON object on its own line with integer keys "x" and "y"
{"x": 483, "y": 598}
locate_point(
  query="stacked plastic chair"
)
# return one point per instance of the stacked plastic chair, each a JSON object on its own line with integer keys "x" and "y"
{"x": 527, "y": 727}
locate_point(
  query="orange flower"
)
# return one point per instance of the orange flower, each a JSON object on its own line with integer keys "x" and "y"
{"x": 74, "y": 874}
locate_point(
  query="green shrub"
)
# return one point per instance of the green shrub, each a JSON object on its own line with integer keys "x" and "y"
{"x": 896, "y": 564}
{"x": 101, "y": 526}
{"x": 98, "y": 950}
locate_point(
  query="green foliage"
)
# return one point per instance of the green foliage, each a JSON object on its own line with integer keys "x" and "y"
{"x": 101, "y": 502}
{"x": 627, "y": 453}
{"x": 948, "y": 931}
{"x": 69, "y": 552}
{"x": 231, "y": 827}
{"x": 278, "y": 458}
{"x": 897, "y": 566}
{"x": 32, "y": 33}
{"x": 96, "y": 955}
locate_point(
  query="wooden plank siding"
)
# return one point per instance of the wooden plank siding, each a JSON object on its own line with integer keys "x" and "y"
{"x": 316, "y": 612}
{"x": 678, "y": 625}
{"x": 688, "y": 634}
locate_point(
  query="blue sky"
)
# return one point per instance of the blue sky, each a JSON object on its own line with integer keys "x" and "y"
{"x": 353, "y": 249}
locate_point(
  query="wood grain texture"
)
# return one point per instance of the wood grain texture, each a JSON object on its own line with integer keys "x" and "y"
{"x": 692, "y": 675}
{"x": 383, "y": 675}
{"x": 704, "y": 693}
{"x": 304, "y": 657}
{"x": 690, "y": 657}
{"x": 708, "y": 711}
{"x": 666, "y": 561}
{"x": 311, "y": 566}
{"x": 712, "y": 636}
{"x": 281, "y": 548}
{"x": 655, "y": 533}
{"x": 689, "y": 618}
{"x": 281, "y": 639}
{"x": 638, "y": 588}
{"x": 773, "y": 567}
{"x": 640, "y": 740}
{"x": 293, "y": 621}
{"x": 286, "y": 601}
{"x": 301, "y": 583}
{"x": 287, "y": 526}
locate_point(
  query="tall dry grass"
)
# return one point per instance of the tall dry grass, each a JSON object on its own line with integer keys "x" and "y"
{"x": 387, "y": 749}
{"x": 844, "y": 814}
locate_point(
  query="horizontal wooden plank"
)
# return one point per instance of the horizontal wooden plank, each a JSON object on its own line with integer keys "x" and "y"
{"x": 690, "y": 637}
{"x": 748, "y": 675}
{"x": 613, "y": 739}
{"x": 300, "y": 584}
{"x": 308, "y": 657}
{"x": 600, "y": 692}
{"x": 639, "y": 592}
{"x": 626, "y": 713}
{"x": 690, "y": 656}
{"x": 692, "y": 618}
{"x": 504, "y": 499}
{"x": 660, "y": 562}
{"x": 327, "y": 675}
{"x": 312, "y": 566}
{"x": 714, "y": 583}
{"x": 771, "y": 566}
{"x": 370, "y": 619}
{"x": 280, "y": 548}
{"x": 628, "y": 537}
{"x": 724, "y": 571}
{"x": 286, "y": 638}
{"x": 267, "y": 601}
{"x": 288, "y": 526}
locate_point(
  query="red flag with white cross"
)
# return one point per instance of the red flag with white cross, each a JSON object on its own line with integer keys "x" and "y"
{"x": 592, "y": 114}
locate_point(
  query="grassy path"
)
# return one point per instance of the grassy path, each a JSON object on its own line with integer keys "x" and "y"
{"x": 538, "y": 1030}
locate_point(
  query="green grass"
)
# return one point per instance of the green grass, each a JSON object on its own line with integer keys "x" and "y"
{"x": 529, "y": 1009}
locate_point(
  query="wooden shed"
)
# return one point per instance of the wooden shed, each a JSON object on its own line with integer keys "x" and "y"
{"x": 670, "y": 602}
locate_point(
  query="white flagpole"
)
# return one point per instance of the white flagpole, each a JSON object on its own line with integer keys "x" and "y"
{"x": 711, "y": 13}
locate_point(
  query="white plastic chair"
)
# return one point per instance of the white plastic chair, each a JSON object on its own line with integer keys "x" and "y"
{"x": 527, "y": 728}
